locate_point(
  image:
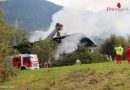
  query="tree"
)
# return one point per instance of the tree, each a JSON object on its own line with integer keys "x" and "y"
{"x": 24, "y": 46}
{"x": 45, "y": 49}
{"x": 5, "y": 49}
{"x": 18, "y": 35}
{"x": 129, "y": 40}
{"x": 5, "y": 33}
{"x": 107, "y": 47}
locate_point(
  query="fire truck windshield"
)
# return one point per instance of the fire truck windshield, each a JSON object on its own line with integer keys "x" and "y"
{"x": 26, "y": 59}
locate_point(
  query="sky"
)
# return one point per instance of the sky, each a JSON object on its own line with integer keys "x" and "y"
{"x": 91, "y": 18}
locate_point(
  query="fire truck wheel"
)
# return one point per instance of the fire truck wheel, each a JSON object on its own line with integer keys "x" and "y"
{"x": 23, "y": 68}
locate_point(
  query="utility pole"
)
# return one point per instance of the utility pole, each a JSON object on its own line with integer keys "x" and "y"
{"x": 16, "y": 27}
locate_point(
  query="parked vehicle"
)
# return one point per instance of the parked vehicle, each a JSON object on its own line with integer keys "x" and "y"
{"x": 26, "y": 61}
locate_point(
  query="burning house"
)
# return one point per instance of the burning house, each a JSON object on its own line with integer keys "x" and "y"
{"x": 67, "y": 43}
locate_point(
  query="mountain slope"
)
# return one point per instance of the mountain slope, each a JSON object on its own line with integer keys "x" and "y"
{"x": 30, "y": 14}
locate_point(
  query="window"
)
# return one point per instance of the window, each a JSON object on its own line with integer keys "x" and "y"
{"x": 16, "y": 59}
{"x": 34, "y": 58}
{"x": 26, "y": 59}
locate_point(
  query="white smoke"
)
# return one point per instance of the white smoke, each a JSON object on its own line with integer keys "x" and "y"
{"x": 36, "y": 35}
{"x": 91, "y": 18}
{"x": 69, "y": 44}
{"x": 93, "y": 24}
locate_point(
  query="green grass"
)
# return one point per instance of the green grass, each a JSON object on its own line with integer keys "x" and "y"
{"x": 98, "y": 76}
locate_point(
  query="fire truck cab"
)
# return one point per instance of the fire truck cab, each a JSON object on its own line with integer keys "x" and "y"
{"x": 26, "y": 61}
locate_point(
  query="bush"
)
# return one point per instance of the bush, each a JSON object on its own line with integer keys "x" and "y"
{"x": 107, "y": 46}
{"x": 6, "y": 31}
{"x": 7, "y": 70}
{"x": 6, "y": 73}
{"x": 85, "y": 56}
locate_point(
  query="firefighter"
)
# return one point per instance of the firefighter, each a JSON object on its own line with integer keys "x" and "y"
{"x": 119, "y": 51}
{"x": 128, "y": 54}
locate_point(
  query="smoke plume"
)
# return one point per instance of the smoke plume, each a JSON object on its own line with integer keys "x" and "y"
{"x": 91, "y": 18}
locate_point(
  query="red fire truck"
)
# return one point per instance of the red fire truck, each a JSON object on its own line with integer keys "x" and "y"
{"x": 26, "y": 61}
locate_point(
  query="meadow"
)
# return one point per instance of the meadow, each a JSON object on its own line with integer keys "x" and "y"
{"x": 96, "y": 76}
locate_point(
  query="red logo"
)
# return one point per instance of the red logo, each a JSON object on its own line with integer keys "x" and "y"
{"x": 118, "y": 5}
{"x": 117, "y": 8}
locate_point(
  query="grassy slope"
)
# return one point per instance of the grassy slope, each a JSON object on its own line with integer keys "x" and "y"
{"x": 100, "y": 76}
